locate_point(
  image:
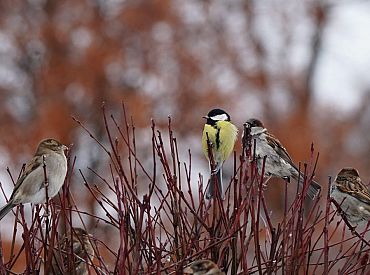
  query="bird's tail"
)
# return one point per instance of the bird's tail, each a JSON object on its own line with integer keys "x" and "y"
{"x": 211, "y": 186}
{"x": 313, "y": 189}
{"x": 5, "y": 210}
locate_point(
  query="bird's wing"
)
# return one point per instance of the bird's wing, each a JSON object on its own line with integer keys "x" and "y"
{"x": 77, "y": 246}
{"x": 279, "y": 148}
{"x": 357, "y": 190}
{"x": 32, "y": 165}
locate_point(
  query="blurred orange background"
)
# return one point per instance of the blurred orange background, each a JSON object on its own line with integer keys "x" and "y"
{"x": 180, "y": 58}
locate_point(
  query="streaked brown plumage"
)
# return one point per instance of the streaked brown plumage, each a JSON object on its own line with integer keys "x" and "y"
{"x": 203, "y": 267}
{"x": 278, "y": 162}
{"x": 30, "y": 185}
{"x": 352, "y": 195}
{"x": 81, "y": 252}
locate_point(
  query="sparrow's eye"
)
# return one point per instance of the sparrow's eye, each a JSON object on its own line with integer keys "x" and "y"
{"x": 254, "y": 123}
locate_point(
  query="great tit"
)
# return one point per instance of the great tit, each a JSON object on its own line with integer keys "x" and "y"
{"x": 222, "y": 135}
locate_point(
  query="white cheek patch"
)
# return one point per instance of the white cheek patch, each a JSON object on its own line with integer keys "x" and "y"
{"x": 219, "y": 117}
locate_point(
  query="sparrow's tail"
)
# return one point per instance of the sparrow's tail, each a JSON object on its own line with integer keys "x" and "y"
{"x": 5, "y": 210}
{"x": 313, "y": 189}
{"x": 211, "y": 186}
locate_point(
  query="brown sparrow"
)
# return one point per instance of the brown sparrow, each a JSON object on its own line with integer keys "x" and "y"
{"x": 351, "y": 195}
{"x": 203, "y": 267}
{"x": 30, "y": 185}
{"x": 83, "y": 253}
{"x": 278, "y": 162}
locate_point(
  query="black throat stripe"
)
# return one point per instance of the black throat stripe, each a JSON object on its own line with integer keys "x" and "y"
{"x": 211, "y": 122}
{"x": 217, "y": 137}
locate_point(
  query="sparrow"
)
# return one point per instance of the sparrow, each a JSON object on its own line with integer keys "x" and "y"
{"x": 222, "y": 134}
{"x": 30, "y": 185}
{"x": 80, "y": 251}
{"x": 352, "y": 195}
{"x": 278, "y": 162}
{"x": 203, "y": 267}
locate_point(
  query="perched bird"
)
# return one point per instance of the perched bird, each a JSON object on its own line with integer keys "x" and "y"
{"x": 278, "y": 162}
{"x": 352, "y": 195}
{"x": 73, "y": 257}
{"x": 203, "y": 267}
{"x": 222, "y": 134}
{"x": 30, "y": 185}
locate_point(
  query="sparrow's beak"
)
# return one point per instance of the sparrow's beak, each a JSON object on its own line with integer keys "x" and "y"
{"x": 66, "y": 149}
{"x": 206, "y": 117}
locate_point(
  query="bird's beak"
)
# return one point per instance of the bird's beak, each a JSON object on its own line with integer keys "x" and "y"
{"x": 247, "y": 124}
{"x": 206, "y": 117}
{"x": 66, "y": 149}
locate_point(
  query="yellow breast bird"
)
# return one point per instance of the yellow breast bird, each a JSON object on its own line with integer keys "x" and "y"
{"x": 222, "y": 134}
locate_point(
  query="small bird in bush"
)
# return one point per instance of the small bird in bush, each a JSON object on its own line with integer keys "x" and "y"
{"x": 30, "y": 185}
{"x": 80, "y": 252}
{"x": 278, "y": 162}
{"x": 351, "y": 195}
{"x": 222, "y": 135}
{"x": 203, "y": 267}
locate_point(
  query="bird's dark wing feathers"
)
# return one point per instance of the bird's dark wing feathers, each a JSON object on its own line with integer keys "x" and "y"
{"x": 359, "y": 191}
{"x": 31, "y": 166}
{"x": 279, "y": 148}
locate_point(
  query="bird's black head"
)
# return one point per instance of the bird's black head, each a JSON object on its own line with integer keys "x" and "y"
{"x": 253, "y": 122}
{"x": 216, "y": 115}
